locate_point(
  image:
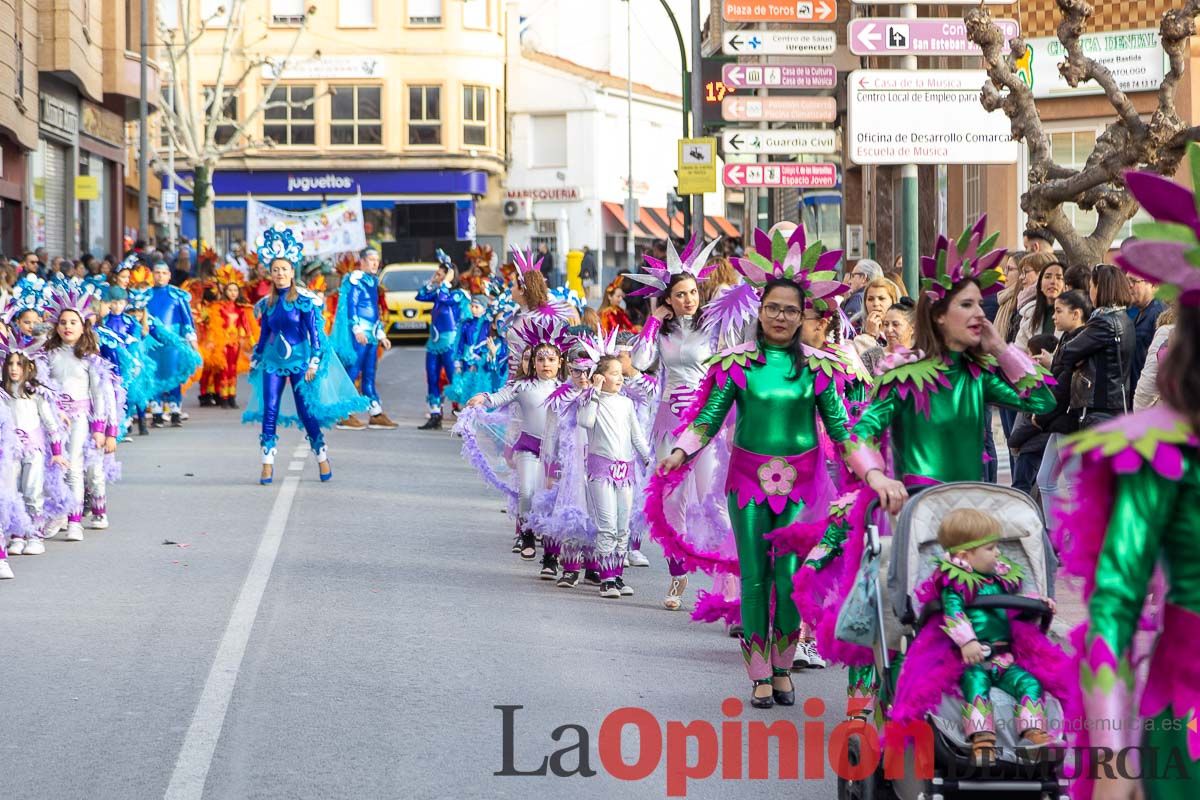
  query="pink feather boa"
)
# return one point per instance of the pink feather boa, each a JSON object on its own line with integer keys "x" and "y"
{"x": 716, "y": 607}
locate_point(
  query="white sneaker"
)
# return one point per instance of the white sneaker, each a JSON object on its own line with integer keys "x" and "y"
{"x": 98, "y": 522}
{"x": 810, "y": 652}
{"x": 34, "y": 546}
{"x": 74, "y": 532}
{"x": 636, "y": 559}
{"x": 54, "y": 526}
{"x": 5, "y": 570}
{"x": 16, "y": 547}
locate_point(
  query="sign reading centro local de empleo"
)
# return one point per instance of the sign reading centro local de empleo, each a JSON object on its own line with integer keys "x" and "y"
{"x": 924, "y": 117}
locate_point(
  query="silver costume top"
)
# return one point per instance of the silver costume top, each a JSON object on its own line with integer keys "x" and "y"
{"x": 530, "y": 395}
{"x": 612, "y": 425}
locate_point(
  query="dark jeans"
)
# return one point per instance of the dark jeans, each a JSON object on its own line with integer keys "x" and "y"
{"x": 990, "y": 467}
{"x": 1025, "y": 471}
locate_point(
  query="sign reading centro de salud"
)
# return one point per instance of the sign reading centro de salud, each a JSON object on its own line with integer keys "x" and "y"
{"x": 924, "y": 117}
{"x": 1135, "y": 58}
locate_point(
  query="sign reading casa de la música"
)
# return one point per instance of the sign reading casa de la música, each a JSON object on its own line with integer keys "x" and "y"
{"x": 1135, "y": 59}
{"x": 924, "y": 117}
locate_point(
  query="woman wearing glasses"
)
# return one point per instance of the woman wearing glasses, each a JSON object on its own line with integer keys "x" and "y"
{"x": 777, "y": 477}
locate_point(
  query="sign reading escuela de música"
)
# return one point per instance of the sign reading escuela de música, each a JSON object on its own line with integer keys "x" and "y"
{"x": 1135, "y": 58}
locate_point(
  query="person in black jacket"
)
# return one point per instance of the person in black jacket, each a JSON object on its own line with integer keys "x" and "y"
{"x": 1027, "y": 441}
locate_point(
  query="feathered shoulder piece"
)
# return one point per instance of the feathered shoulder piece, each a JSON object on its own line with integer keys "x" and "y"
{"x": 692, "y": 261}
{"x": 179, "y": 294}
{"x": 1157, "y": 436}
{"x": 851, "y": 362}
{"x": 1036, "y": 376}
{"x": 912, "y": 375}
{"x": 731, "y": 363}
{"x": 730, "y": 310}
{"x": 954, "y": 573}
{"x": 828, "y": 366}
{"x": 968, "y": 256}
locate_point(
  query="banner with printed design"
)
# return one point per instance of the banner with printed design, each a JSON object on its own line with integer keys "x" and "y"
{"x": 336, "y": 228}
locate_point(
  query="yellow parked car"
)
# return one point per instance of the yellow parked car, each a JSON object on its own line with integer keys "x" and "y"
{"x": 406, "y": 318}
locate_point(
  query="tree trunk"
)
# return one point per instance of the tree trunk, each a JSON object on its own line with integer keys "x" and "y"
{"x": 205, "y": 212}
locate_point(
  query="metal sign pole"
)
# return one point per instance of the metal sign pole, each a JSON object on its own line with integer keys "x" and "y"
{"x": 909, "y": 191}
{"x": 697, "y": 116}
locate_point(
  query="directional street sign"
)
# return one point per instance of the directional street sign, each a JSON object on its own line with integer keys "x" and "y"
{"x": 924, "y": 117}
{"x": 797, "y": 176}
{"x": 779, "y": 109}
{"x": 779, "y": 10}
{"x": 779, "y": 43}
{"x": 782, "y": 76}
{"x": 780, "y": 143}
{"x": 897, "y": 36}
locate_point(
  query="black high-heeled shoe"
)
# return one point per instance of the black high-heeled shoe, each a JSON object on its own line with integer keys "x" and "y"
{"x": 787, "y": 698}
{"x": 762, "y": 702}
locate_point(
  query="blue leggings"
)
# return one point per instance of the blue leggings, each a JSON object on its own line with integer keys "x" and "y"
{"x": 434, "y": 364}
{"x": 365, "y": 360}
{"x": 273, "y": 386}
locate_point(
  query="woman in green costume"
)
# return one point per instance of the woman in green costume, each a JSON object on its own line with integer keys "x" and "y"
{"x": 777, "y": 474}
{"x": 1135, "y": 508}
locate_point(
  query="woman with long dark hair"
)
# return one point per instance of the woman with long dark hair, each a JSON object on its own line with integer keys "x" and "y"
{"x": 1037, "y": 317}
{"x": 777, "y": 474}
{"x": 292, "y": 347}
{"x": 674, "y": 338}
{"x": 1134, "y": 509}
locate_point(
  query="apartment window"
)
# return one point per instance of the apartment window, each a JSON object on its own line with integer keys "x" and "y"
{"x": 972, "y": 192}
{"x": 226, "y": 128}
{"x": 288, "y": 117}
{"x": 549, "y": 141}
{"x": 287, "y": 12}
{"x": 357, "y": 116}
{"x": 475, "y": 14}
{"x": 475, "y": 117}
{"x": 1071, "y": 148}
{"x": 424, "y": 115}
{"x": 356, "y": 13}
{"x": 424, "y": 12}
{"x": 168, "y": 14}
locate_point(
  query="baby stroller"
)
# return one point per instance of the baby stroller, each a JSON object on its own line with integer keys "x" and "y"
{"x": 900, "y": 616}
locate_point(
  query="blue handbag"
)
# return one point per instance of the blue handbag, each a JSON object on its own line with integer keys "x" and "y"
{"x": 858, "y": 620}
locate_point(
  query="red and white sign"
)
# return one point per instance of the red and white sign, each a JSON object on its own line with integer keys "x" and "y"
{"x": 779, "y": 109}
{"x": 797, "y": 176}
{"x": 779, "y": 10}
{"x": 783, "y": 76}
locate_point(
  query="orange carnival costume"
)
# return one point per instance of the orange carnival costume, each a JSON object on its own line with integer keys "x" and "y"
{"x": 228, "y": 328}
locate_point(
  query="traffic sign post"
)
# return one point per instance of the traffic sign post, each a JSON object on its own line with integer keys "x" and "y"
{"x": 925, "y": 117}
{"x": 697, "y": 166}
{"x": 169, "y": 198}
{"x": 780, "y": 143}
{"x": 779, "y": 109}
{"x": 782, "y": 76}
{"x": 796, "y": 176}
{"x": 779, "y": 43}
{"x": 779, "y": 11}
{"x": 898, "y": 36}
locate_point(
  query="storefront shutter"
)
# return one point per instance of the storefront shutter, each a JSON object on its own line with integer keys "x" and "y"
{"x": 54, "y": 186}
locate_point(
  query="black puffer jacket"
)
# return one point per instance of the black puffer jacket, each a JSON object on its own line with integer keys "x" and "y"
{"x": 1100, "y": 358}
{"x": 1060, "y": 420}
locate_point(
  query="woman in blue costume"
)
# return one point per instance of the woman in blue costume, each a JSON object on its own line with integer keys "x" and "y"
{"x": 443, "y": 335}
{"x": 473, "y": 354}
{"x": 132, "y": 361}
{"x": 292, "y": 347}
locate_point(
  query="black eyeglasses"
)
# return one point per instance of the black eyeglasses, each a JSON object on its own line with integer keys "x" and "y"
{"x": 789, "y": 313}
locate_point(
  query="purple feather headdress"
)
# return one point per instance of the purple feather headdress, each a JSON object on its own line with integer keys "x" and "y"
{"x": 524, "y": 259}
{"x": 61, "y": 300}
{"x": 10, "y": 344}
{"x": 809, "y": 266}
{"x": 692, "y": 261}
{"x": 969, "y": 256}
{"x": 595, "y": 349}
{"x": 533, "y": 331}
{"x": 1167, "y": 251}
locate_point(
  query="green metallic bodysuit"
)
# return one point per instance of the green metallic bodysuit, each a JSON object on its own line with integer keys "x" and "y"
{"x": 1144, "y": 470}
{"x": 776, "y": 422}
{"x": 989, "y": 627}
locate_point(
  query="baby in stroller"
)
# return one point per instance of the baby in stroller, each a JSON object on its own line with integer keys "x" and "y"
{"x": 973, "y": 568}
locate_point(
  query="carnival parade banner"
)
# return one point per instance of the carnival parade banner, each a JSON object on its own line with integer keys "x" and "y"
{"x": 336, "y": 228}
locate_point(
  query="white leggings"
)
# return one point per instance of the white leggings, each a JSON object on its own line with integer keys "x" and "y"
{"x": 610, "y": 506}
{"x": 28, "y": 478}
{"x": 78, "y": 478}
{"x": 530, "y": 478}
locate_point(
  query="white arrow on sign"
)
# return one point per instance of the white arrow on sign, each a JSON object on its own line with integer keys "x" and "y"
{"x": 734, "y": 172}
{"x": 867, "y": 37}
{"x": 735, "y": 75}
{"x": 824, "y": 10}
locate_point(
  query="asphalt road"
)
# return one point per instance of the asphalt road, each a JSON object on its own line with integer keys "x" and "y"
{"x": 343, "y": 640}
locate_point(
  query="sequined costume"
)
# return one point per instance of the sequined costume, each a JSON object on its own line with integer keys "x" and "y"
{"x": 443, "y": 338}
{"x": 474, "y": 361}
{"x": 358, "y": 314}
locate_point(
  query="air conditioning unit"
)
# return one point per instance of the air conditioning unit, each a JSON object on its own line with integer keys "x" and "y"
{"x": 518, "y": 210}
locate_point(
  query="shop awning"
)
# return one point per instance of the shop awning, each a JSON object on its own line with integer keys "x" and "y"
{"x": 653, "y": 223}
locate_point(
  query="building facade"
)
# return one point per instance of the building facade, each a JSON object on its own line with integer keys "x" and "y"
{"x": 68, "y": 85}
{"x": 399, "y": 102}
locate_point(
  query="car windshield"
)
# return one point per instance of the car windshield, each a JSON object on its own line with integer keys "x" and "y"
{"x": 405, "y": 280}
